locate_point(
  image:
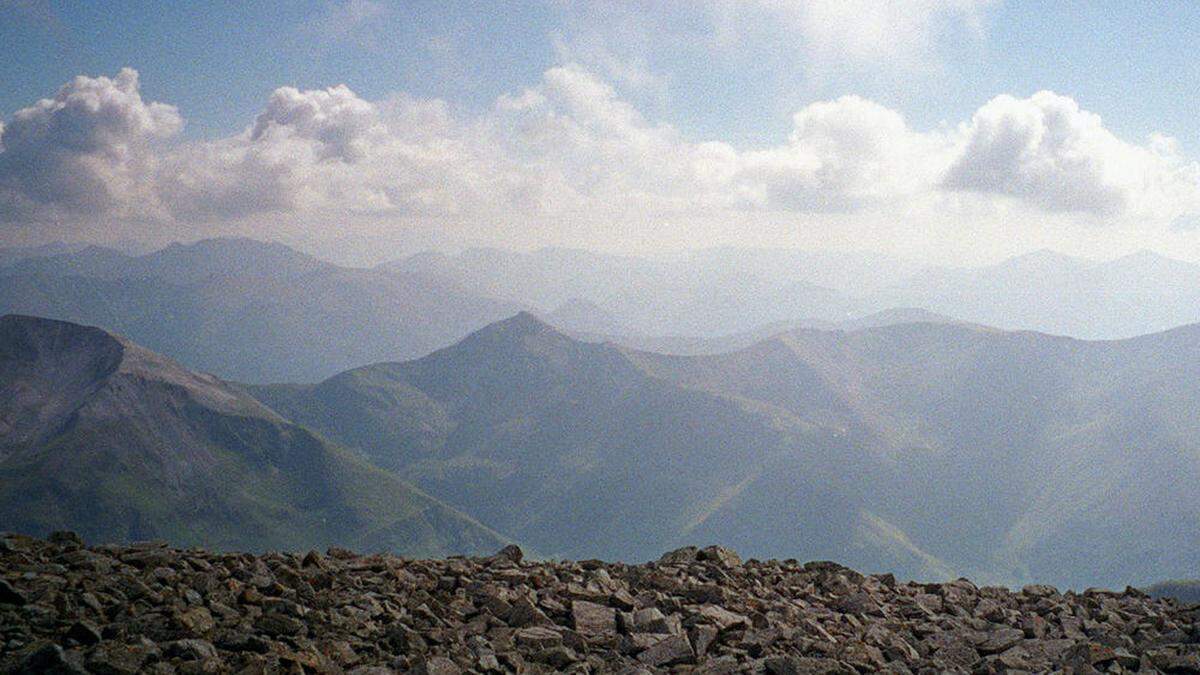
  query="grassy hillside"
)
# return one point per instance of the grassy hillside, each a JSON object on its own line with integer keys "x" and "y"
{"x": 146, "y": 449}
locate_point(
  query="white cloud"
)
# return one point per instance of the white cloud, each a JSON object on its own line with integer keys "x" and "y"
{"x": 567, "y": 150}
{"x": 1046, "y": 150}
{"x": 342, "y": 125}
{"x": 867, "y": 32}
{"x": 330, "y": 150}
{"x": 89, "y": 148}
{"x": 843, "y": 154}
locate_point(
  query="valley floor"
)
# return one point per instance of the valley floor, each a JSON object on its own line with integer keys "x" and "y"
{"x": 69, "y": 608}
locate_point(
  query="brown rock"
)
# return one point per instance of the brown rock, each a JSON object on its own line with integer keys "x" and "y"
{"x": 593, "y": 620}
{"x": 668, "y": 651}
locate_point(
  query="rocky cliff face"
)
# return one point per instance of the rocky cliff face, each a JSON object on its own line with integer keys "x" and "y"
{"x": 148, "y": 608}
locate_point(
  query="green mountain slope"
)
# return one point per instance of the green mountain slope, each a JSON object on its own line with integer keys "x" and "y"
{"x": 106, "y": 438}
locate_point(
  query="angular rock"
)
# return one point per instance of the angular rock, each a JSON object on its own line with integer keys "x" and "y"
{"x": 538, "y": 637}
{"x": 719, "y": 554}
{"x": 668, "y": 651}
{"x": 191, "y": 649}
{"x": 436, "y": 665}
{"x": 593, "y": 620}
{"x": 10, "y": 595}
{"x": 84, "y": 632}
{"x": 680, "y": 556}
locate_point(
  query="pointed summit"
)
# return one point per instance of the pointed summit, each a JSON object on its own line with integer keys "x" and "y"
{"x": 521, "y": 325}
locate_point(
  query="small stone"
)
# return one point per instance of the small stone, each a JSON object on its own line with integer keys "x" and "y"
{"x": 702, "y": 637}
{"x": 996, "y": 641}
{"x": 538, "y": 637}
{"x": 722, "y": 618}
{"x": 50, "y": 659}
{"x": 511, "y": 553}
{"x": 679, "y": 556}
{"x": 117, "y": 659}
{"x": 84, "y": 632}
{"x": 593, "y": 620}
{"x": 191, "y": 649}
{"x": 10, "y": 595}
{"x": 651, "y": 620}
{"x": 65, "y": 538}
{"x": 279, "y": 624}
{"x": 668, "y": 651}
{"x": 525, "y": 613}
{"x": 313, "y": 559}
{"x": 197, "y": 621}
{"x": 436, "y": 665}
{"x": 719, "y": 554}
{"x": 793, "y": 665}
{"x": 559, "y": 657}
{"x": 1091, "y": 654}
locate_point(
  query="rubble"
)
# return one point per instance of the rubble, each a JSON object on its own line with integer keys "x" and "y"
{"x": 68, "y": 608}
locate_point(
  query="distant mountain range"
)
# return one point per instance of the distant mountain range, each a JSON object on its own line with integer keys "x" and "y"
{"x": 261, "y": 312}
{"x": 719, "y": 293}
{"x": 927, "y": 449}
{"x": 249, "y": 310}
{"x": 1134, "y": 295}
{"x": 107, "y": 438}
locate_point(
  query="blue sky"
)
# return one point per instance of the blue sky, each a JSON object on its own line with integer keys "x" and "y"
{"x": 720, "y": 71}
{"x": 1132, "y": 62}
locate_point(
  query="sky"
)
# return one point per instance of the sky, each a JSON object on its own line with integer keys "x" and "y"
{"x": 950, "y": 131}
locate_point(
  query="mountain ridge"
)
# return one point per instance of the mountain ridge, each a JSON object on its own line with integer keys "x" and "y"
{"x": 143, "y": 448}
{"x": 871, "y": 446}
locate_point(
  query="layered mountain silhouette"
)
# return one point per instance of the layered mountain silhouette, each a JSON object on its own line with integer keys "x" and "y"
{"x": 119, "y": 443}
{"x": 1136, "y": 294}
{"x": 717, "y": 293}
{"x": 926, "y": 449}
{"x": 249, "y": 310}
{"x": 262, "y": 312}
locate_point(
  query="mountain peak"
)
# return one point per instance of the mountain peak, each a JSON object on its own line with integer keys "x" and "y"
{"x": 522, "y": 323}
{"x": 63, "y": 360}
{"x": 32, "y": 338}
{"x": 521, "y": 333}
{"x": 1044, "y": 258}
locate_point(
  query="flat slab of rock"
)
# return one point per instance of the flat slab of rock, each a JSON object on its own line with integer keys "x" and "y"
{"x": 668, "y": 651}
{"x": 592, "y": 619}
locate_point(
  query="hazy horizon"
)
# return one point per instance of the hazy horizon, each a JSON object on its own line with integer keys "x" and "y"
{"x": 919, "y": 131}
{"x": 370, "y": 253}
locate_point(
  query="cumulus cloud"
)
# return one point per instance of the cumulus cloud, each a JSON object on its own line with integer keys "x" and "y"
{"x": 88, "y": 149}
{"x": 568, "y": 146}
{"x": 843, "y": 154}
{"x": 590, "y": 147}
{"x": 1046, "y": 150}
{"x": 331, "y": 151}
{"x": 338, "y": 121}
{"x": 600, "y": 150}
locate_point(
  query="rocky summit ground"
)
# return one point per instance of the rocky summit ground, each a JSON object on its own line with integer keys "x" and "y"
{"x": 69, "y": 608}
